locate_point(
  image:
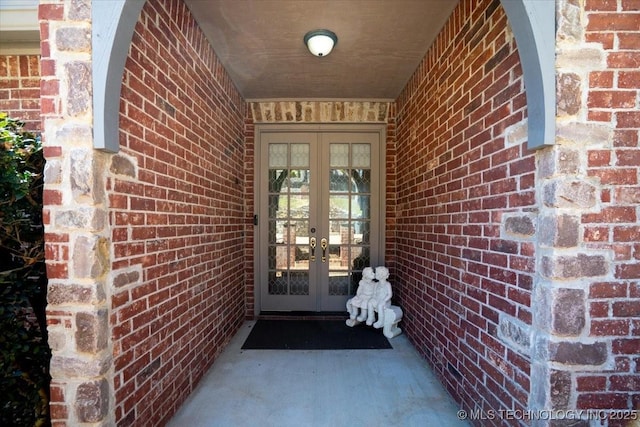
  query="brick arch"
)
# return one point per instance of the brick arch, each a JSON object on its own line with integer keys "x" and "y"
{"x": 532, "y": 21}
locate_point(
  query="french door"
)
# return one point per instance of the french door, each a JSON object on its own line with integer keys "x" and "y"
{"x": 319, "y": 217}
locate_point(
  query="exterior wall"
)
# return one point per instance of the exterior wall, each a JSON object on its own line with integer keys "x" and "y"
{"x": 589, "y": 183}
{"x": 518, "y": 270}
{"x": 494, "y": 250}
{"x": 20, "y": 88}
{"x": 75, "y": 220}
{"x": 466, "y": 209}
{"x": 142, "y": 246}
{"x": 177, "y": 216}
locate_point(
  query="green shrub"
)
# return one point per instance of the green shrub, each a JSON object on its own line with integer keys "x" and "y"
{"x": 24, "y": 352}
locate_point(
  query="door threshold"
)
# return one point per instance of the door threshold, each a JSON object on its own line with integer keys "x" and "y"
{"x": 303, "y": 315}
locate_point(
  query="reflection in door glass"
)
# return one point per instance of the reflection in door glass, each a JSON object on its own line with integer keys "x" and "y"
{"x": 288, "y": 222}
{"x": 349, "y": 215}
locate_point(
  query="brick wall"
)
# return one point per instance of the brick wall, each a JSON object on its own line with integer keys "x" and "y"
{"x": 519, "y": 270}
{"x": 465, "y": 207}
{"x": 20, "y": 88}
{"x": 599, "y": 152}
{"x": 177, "y": 214}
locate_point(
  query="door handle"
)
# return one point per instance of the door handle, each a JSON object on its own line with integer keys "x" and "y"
{"x": 323, "y": 245}
{"x": 312, "y": 244}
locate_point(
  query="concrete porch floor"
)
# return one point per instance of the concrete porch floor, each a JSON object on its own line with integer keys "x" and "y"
{"x": 318, "y": 388}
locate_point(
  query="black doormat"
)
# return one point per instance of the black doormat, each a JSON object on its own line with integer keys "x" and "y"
{"x": 313, "y": 335}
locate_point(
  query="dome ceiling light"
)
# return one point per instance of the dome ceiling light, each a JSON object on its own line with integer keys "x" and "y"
{"x": 320, "y": 42}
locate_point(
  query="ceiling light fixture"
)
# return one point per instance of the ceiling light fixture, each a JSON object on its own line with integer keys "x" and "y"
{"x": 320, "y": 42}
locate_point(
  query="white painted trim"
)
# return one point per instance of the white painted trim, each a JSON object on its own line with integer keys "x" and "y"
{"x": 19, "y": 16}
{"x": 533, "y": 24}
{"x": 113, "y": 23}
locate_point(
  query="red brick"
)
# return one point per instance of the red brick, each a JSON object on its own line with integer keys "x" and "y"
{"x": 602, "y": 401}
{"x": 591, "y": 383}
{"x": 613, "y": 22}
{"x": 629, "y": 41}
{"x": 598, "y": 158}
{"x": 626, "y": 346}
{"x": 601, "y": 5}
{"x": 631, "y": 5}
{"x": 611, "y": 215}
{"x": 611, "y": 99}
{"x": 609, "y": 327}
{"x": 617, "y": 176}
{"x": 628, "y": 79}
{"x": 626, "y": 59}
{"x": 51, "y": 12}
{"x": 599, "y": 309}
{"x": 628, "y": 271}
{"x": 608, "y": 290}
{"x": 626, "y": 308}
{"x": 624, "y": 383}
{"x": 628, "y": 157}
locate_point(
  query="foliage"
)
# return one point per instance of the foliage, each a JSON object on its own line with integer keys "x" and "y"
{"x": 24, "y": 352}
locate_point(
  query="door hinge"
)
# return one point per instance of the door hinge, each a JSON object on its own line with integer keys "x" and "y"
{"x": 255, "y": 220}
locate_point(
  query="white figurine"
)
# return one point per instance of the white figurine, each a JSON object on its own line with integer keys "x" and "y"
{"x": 361, "y": 300}
{"x": 381, "y": 298}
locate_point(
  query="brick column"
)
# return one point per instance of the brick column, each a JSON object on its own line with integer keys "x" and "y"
{"x": 76, "y": 222}
{"x": 588, "y": 190}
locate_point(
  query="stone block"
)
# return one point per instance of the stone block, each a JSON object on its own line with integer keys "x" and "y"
{"x": 80, "y": 10}
{"x": 84, "y": 218}
{"x": 591, "y": 57}
{"x": 560, "y": 388}
{"x": 53, "y": 172}
{"x": 561, "y": 231}
{"x": 568, "y": 312}
{"x": 81, "y": 173}
{"x": 90, "y": 257}
{"x": 515, "y": 334}
{"x": 568, "y": 94}
{"x": 79, "y": 93}
{"x": 577, "y": 353}
{"x": 73, "y": 39}
{"x": 79, "y": 367}
{"x": 121, "y": 165}
{"x": 91, "y": 331}
{"x": 125, "y": 278}
{"x": 92, "y": 401}
{"x": 73, "y": 134}
{"x": 519, "y": 226}
{"x": 517, "y": 134}
{"x": 561, "y": 193}
{"x": 585, "y": 134}
{"x": 570, "y": 27}
{"x": 63, "y": 293}
{"x": 57, "y": 338}
{"x": 574, "y": 267}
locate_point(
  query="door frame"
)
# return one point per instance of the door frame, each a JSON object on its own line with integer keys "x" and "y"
{"x": 260, "y": 129}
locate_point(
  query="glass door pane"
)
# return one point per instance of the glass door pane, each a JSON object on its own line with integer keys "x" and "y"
{"x": 288, "y": 185}
{"x": 349, "y": 168}
{"x": 319, "y": 215}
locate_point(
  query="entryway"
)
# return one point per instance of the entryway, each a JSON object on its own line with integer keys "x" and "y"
{"x": 320, "y": 204}
{"x": 319, "y": 388}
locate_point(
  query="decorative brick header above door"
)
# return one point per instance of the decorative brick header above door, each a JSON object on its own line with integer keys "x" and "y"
{"x": 320, "y": 112}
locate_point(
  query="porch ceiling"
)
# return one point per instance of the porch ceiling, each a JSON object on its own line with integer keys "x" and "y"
{"x": 380, "y": 44}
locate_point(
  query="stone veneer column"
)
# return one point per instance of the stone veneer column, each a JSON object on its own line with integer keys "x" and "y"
{"x": 76, "y": 222}
{"x": 561, "y": 343}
